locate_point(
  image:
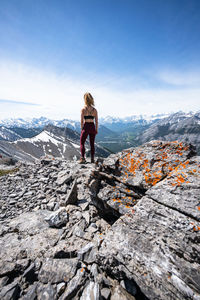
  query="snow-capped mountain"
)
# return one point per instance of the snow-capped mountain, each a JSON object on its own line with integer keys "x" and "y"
{"x": 73, "y": 124}
{"x": 108, "y": 121}
{"x": 130, "y": 123}
{"x": 39, "y": 123}
{"x": 133, "y": 118}
{"x": 53, "y": 141}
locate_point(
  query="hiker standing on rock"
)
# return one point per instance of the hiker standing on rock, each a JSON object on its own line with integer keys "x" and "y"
{"x": 88, "y": 115}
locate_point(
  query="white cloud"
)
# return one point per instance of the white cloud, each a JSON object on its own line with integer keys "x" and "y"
{"x": 177, "y": 78}
{"x": 61, "y": 95}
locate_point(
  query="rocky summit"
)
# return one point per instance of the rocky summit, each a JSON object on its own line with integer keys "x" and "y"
{"x": 126, "y": 227}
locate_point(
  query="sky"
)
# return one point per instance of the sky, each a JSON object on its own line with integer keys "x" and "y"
{"x": 134, "y": 57}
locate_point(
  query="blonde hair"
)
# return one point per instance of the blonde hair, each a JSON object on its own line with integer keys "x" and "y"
{"x": 89, "y": 100}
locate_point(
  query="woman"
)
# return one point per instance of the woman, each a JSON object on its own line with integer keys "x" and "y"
{"x": 88, "y": 115}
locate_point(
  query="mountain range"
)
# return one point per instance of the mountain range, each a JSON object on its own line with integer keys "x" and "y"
{"x": 114, "y": 133}
{"x": 31, "y": 138}
{"x": 112, "y": 123}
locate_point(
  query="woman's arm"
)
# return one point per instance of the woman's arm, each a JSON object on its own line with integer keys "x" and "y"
{"x": 82, "y": 118}
{"x": 96, "y": 120}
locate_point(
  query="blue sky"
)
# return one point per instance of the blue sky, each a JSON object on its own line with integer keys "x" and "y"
{"x": 135, "y": 57}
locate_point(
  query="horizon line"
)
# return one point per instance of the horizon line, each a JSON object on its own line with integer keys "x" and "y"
{"x": 108, "y": 116}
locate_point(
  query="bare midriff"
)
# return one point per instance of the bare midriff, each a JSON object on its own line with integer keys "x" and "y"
{"x": 88, "y": 121}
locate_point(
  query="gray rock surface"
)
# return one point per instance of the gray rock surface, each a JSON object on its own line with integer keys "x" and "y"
{"x": 127, "y": 227}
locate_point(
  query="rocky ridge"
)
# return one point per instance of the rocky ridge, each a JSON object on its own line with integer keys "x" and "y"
{"x": 127, "y": 227}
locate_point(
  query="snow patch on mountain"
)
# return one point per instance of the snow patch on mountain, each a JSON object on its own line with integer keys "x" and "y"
{"x": 44, "y": 136}
{"x": 7, "y": 134}
{"x": 75, "y": 145}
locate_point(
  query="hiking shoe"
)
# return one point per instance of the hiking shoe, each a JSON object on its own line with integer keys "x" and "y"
{"x": 92, "y": 160}
{"x": 82, "y": 160}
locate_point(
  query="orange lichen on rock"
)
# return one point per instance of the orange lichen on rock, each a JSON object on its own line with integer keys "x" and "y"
{"x": 114, "y": 199}
{"x": 179, "y": 178}
{"x": 148, "y": 166}
{"x": 139, "y": 162}
{"x": 196, "y": 228}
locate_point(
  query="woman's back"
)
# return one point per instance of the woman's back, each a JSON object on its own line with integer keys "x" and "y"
{"x": 89, "y": 113}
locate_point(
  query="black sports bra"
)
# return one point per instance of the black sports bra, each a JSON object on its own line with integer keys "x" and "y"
{"x": 88, "y": 117}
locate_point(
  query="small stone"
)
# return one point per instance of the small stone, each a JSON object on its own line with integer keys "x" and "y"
{"x": 86, "y": 215}
{"x": 3, "y": 281}
{"x": 94, "y": 270}
{"x": 13, "y": 195}
{"x": 31, "y": 293}
{"x": 92, "y": 229}
{"x": 11, "y": 202}
{"x": 60, "y": 288}
{"x": 119, "y": 293}
{"x": 51, "y": 205}
{"x": 93, "y": 225}
{"x": 91, "y": 291}
{"x": 72, "y": 195}
{"x": 63, "y": 179}
{"x": 105, "y": 293}
{"x": 41, "y": 196}
{"x": 74, "y": 285}
{"x": 28, "y": 194}
{"x": 58, "y": 219}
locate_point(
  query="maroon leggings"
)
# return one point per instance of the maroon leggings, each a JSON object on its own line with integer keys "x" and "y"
{"x": 88, "y": 128}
